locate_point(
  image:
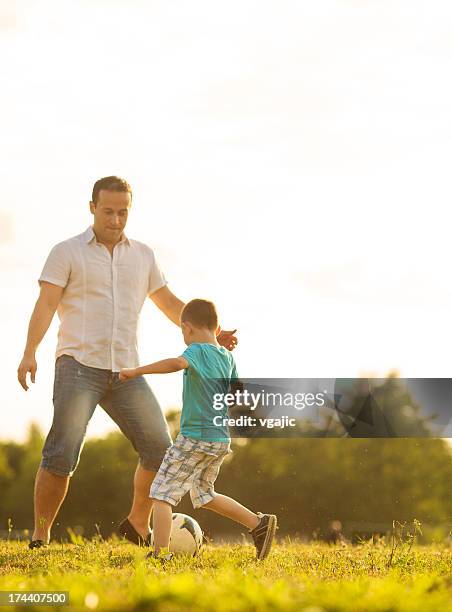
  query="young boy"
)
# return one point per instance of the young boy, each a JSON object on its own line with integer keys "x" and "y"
{"x": 192, "y": 463}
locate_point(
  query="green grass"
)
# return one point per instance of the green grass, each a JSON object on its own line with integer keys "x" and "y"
{"x": 310, "y": 577}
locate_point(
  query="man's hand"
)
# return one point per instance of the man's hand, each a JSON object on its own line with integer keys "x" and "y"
{"x": 127, "y": 373}
{"x": 28, "y": 364}
{"x": 43, "y": 312}
{"x": 227, "y": 339}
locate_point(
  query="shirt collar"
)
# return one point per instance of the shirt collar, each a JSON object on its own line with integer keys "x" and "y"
{"x": 90, "y": 236}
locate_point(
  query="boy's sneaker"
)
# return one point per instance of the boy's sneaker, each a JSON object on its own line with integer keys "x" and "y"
{"x": 263, "y": 534}
{"x": 162, "y": 557}
{"x": 37, "y": 544}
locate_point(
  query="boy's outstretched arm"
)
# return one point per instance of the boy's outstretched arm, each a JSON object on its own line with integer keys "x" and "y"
{"x": 165, "y": 366}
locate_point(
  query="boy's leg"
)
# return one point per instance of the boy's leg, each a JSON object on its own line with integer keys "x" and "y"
{"x": 162, "y": 522}
{"x": 262, "y": 527}
{"x": 226, "y": 506}
{"x": 203, "y": 494}
{"x": 173, "y": 480}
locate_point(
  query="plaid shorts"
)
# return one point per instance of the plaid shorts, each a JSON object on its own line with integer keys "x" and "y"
{"x": 189, "y": 465}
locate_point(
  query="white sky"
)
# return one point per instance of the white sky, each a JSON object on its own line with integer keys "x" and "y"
{"x": 289, "y": 159}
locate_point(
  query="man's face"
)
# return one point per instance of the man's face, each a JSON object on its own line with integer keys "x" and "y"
{"x": 110, "y": 214}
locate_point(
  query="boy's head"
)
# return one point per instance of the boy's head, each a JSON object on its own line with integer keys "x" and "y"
{"x": 198, "y": 315}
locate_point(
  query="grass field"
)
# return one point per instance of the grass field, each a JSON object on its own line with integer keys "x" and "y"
{"x": 312, "y": 577}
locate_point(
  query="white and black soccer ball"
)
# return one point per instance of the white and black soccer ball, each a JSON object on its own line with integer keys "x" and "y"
{"x": 186, "y": 535}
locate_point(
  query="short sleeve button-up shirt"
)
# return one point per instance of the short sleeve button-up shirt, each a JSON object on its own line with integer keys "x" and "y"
{"x": 102, "y": 298}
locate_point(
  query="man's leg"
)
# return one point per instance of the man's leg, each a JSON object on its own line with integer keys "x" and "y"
{"x": 134, "y": 408}
{"x": 226, "y": 506}
{"x": 50, "y": 491}
{"x": 77, "y": 391}
{"x": 140, "y": 513}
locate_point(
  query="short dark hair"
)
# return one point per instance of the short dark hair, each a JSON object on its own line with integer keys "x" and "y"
{"x": 201, "y": 313}
{"x": 110, "y": 183}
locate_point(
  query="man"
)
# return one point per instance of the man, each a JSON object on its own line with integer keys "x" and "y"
{"x": 98, "y": 282}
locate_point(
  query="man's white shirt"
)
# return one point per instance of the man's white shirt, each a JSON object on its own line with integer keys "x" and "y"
{"x": 102, "y": 298}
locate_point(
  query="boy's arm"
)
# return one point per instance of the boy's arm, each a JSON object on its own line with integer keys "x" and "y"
{"x": 165, "y": 366}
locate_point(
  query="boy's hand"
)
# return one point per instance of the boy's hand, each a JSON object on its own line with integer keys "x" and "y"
{"x": 126, "y": 373}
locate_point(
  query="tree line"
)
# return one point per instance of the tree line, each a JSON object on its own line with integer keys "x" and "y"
{"x": 365, "y": 483}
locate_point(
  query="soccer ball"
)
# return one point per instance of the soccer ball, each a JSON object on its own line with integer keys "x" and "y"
{"x": 186, "y": 535}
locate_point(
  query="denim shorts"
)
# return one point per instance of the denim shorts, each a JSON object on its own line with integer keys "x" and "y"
{"x": 77, "y": 390}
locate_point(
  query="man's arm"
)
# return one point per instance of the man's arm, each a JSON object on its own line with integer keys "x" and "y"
{"x": 45, "y": 307}
{"x": 166, "y": 366}
{"x": 172, "y": 307}
{"x": 168, "y": 303}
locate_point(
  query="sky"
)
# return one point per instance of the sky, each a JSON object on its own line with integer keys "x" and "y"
{"x": 289, "y": 159}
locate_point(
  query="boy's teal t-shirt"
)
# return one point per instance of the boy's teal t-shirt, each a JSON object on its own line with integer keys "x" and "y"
{"x": 210, "y": 372}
